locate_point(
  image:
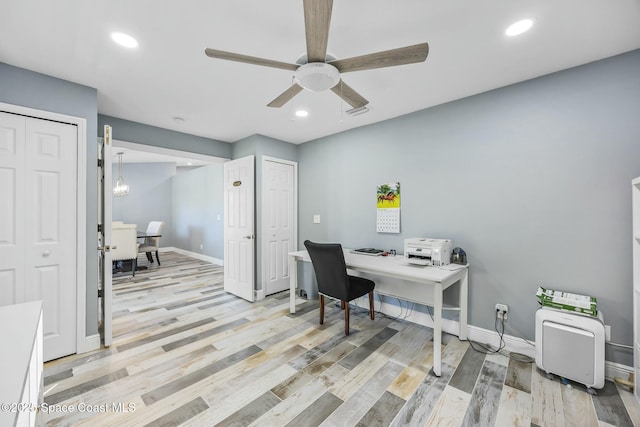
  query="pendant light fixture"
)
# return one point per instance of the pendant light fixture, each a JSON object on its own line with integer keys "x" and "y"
{"x": 121, "y": 189}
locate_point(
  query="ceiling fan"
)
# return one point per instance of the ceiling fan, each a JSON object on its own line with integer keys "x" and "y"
{"x": 319, "y": 71}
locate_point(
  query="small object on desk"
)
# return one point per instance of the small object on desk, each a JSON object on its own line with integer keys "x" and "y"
{"x": 368, "y": 251}
{"x": 458, "y": 256}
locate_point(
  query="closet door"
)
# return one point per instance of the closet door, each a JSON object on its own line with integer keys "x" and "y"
{"x": 12, "y": 196}
{"x": 278, "y": 222}
{"x": 40, "y": 159}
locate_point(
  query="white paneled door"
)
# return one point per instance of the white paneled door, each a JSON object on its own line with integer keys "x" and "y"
{"x": 12, "y": 202}
{"x": 279, "y": 222}
{"x": 38, "y": 223}
{"x": 239, "y": 227}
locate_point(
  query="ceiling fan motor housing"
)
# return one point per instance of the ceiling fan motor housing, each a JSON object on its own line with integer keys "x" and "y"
{"x": 317, "y": 76}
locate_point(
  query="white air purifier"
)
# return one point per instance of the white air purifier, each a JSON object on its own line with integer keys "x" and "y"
{"x": 571, "y": 346}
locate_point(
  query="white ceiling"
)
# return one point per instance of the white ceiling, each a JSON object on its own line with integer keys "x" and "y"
{"x": 169, "y": 76}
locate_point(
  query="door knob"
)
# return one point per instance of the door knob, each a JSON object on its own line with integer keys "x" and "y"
{"x": 249, "y": 237}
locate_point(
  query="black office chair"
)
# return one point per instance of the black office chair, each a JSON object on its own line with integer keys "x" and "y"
{"x": 333, "y": 280}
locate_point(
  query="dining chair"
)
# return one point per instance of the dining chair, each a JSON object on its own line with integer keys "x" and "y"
{"x": 124, "y": 244}
{"x": 333, "y": 280}
{"x": 151, "y": 244}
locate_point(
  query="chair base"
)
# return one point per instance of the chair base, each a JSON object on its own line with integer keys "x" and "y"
{"x": 150, "y": 257}
{"x": 345, "y": 306}
{"x": 124, "y": 264}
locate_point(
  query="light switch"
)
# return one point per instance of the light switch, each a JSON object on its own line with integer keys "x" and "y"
{"x": 316, "y": 219}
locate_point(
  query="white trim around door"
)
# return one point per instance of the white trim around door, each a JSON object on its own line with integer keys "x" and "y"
{"x": 265, "y": 237}
{"x": 82, "y": 343}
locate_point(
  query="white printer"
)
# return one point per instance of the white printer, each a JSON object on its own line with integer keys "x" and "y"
{"x": 424, "y": 251}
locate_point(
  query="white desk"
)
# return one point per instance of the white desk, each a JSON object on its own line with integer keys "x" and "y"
{"x": 22, "y": 363}
{"x": 426, "y": 287}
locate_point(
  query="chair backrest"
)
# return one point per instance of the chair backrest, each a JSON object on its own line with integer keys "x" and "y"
{"x": 330, "y": 268}
{"x": 124, "y": 242}
{"x": 154, "y": 227}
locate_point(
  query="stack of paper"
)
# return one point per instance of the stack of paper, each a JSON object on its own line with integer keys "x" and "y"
{"x": 566, "y": 301}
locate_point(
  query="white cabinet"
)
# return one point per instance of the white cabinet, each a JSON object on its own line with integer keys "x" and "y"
{"x": 635, "y": 188}
{"x": 21, "y": 363}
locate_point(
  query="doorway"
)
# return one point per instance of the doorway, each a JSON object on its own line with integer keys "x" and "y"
{"x": 153, "y": 173}
{"x": 279, "y": 221}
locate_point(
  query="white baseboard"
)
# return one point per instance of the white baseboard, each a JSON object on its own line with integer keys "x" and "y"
{"x": 91, "y": 343}
{"x": 511, "y": 344}
{"x": 613, "y": 370}
{"x": 193, "y": 255}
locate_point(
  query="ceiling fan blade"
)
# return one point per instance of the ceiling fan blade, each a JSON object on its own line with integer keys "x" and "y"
{"x": 317, "y": 17}
{"x": 285, "y": 96}
{"x": 387, "y": 58}
{"x": 230, "y": 56}
{"x": 347, "y": 93}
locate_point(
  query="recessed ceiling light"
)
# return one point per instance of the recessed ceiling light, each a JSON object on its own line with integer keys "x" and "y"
{"x": 519, "y": 27}
{"x": 124, "y": 40}
{"x": 302, "y": 113}
{"x": 189, "y": 164}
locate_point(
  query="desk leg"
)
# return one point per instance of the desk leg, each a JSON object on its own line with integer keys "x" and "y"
{"x": 437, "y": 329}
{"x": 293, "y": 283}
{"x": 464, "y": 289}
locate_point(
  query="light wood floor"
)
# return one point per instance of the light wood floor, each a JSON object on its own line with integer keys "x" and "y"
{"x": 187, "y": 353}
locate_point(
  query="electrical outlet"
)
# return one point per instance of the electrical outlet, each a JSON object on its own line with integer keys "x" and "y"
{"x": 501, "y": 311}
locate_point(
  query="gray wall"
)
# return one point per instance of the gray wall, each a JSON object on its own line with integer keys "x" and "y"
{"x": 198, "y": 209}
{"x": 532, "y": 180}
{"x": 125, "y": 130}
{"x": 189, "y": 200}
{"x": 26, "y": 88}
{"x": 150, "y": 196}
{"x": 192, "y": 201}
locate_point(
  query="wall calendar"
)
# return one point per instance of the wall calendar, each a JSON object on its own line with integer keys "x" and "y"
{"x": 388, "y": 204}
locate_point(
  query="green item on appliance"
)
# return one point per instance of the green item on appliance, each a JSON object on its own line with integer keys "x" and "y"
{"x": 567, "y": 301}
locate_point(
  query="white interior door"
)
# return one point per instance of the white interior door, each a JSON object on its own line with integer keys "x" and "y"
{"x": 239, "y": 227}
{"x": 12, "y": 196}
{"x": 279, "y": 222}
{"x": 104, "y": 236}
{"x": 39, "y": 162}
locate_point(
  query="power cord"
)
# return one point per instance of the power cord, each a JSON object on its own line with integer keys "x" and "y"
{"x": 485, "y": 348}
{"x": 499, "y": 326}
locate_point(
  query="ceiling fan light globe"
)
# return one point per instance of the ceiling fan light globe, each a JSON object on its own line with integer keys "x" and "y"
{"x": 317, "y": 76}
